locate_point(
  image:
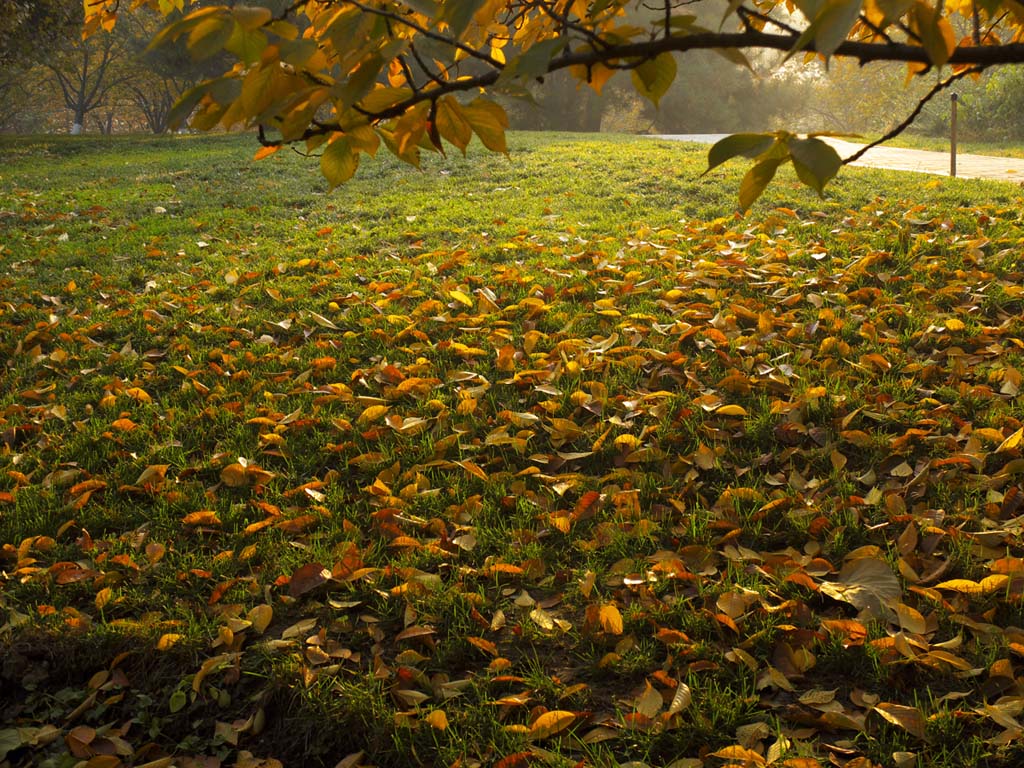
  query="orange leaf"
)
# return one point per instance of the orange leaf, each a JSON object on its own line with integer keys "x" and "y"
{"x": 516, "y": 760}
{"x": 202, "y": 517}
{"x": 854, "y": 632}
{"x": 587, "y": 506}
{"x": 220, "y": 590}
{"x": 263, "y": 152}
{"x": 484, "y": 645}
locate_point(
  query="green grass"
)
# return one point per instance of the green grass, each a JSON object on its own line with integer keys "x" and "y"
{"x": 566, "y": 432}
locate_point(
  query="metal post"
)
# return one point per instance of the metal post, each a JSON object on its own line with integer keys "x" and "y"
{"x": 952, "y": 134}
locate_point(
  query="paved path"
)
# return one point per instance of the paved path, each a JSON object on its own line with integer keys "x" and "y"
{"x": 893, "y": 158}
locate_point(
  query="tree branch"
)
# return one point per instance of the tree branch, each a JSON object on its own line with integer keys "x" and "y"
{"x": 428, "y": 33}
{"x": 908, "y": 121}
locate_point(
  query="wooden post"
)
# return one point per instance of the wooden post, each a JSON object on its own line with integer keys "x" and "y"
{"x": 952, "y": 135}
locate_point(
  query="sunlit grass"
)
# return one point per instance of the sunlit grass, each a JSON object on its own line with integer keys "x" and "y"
{"x": 561, "y": 428}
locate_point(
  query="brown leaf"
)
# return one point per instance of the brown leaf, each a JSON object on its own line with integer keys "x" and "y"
{"x": 307, "y": 578}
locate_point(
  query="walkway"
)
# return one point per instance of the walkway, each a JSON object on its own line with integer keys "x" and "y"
{"x": 896, "y": 159}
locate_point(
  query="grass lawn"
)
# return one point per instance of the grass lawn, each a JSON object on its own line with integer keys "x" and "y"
{"x": 553, "y": 461}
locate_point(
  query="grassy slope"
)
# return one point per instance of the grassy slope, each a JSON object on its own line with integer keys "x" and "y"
{"x": 554, "y": 512}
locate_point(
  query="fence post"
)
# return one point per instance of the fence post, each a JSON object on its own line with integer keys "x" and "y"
{"x": 952, "y": 134}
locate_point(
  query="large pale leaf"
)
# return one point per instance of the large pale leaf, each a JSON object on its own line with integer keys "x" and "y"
{"x": 816, "y": 163}
{"x": 488, "y": 121}
{"x": 338, "y": 162}
{"x": 756, "y": 180}
{"x": 866, "y": 583}
{"x": 654, "y": 77}
{"x": 738, "y": 144}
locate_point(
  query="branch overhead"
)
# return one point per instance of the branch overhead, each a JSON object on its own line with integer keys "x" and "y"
{"x": 355, "y": 74}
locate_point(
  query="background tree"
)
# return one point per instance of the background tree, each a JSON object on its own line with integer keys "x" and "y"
{"x": 345, "y": 76}
{"x": 28, "y": 29}
{"x": 88, "y": 71}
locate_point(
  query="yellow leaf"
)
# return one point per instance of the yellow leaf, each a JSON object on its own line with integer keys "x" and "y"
{"x": 167, "y": 640}
{"x": 731, "y": 410}
{"x": 372, "y": 414}
{"x": 542, "y": 619}
{"x": 650, "y": 702}
{"x": 986, "y": 586}
{"x": 908, "y": 718}
{"x": 473, "y": 469}
{"x": 626, "y": 442}
{"x": 1011, "y": 442}
{"x": 154, "y": 474}
{"x": 551, "y": 723}
{"x": 437, "y": 719}
{"x": 460, "y": 297}
{"x": 103, "y": 597}
{"x": 611, "y": 619}
{"x": 738, "y": 753}
{"x": 137, "y": 393}
{"x": 234, "y": 476}
{"x": 261, "y": 616}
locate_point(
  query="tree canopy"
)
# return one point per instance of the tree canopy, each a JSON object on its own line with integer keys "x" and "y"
{"x": 345, "y": 76}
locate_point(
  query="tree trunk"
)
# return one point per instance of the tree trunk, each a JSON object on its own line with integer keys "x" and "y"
{"x": 79, "y": 120}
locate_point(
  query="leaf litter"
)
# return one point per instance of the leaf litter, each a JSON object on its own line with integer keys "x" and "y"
{"x": 732, "y": 492}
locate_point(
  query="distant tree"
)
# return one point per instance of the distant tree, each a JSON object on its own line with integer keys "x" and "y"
{"x": 851, "y": 98}
{"x": 163, "y": 73}
{"x": 345, "y": 76}
{"x": 28, "y": 28}
{"x": 88, "y": 72}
